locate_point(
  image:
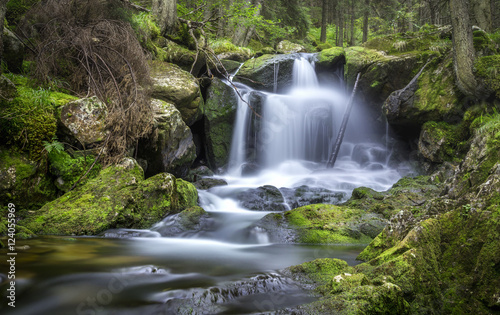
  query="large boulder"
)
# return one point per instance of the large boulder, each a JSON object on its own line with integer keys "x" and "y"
{"x": 174, "y": 85}
{"x": 266, "y": 198}
{"x": 118, "y": 198}
{"x": 13, "y": 51}
{"x": 8, "y": 90}
{"x": 259, "y": 73}
{"x": 220, "y": 112}
{"x": 83, "y": 122}
{"x": 173, "y": 150}
{"x": 181, "y": 56}
{"x": 430, "y": 97}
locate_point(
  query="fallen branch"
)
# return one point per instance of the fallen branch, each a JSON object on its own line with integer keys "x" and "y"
{"x": 343, "y": 126}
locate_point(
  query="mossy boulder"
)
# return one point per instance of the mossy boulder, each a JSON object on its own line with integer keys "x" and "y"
{"x": 219, "y": 115}
{"x": 287, "y": 47}
{"x": 437, "y": 142}
{"x": 173, "y": 150}
{"x": 322, "y": 224}
{"x": 330, "y": 59}
{"x": 118, "y": 198}
{"x": 259, "y": 72}
{"x": 22, "y": 182}
{"x": 488, "y": 70}
{"x": 83, "y": 122}
{"x": 172, "y": 52}
{"x": 176, "y": 86}
{"x": 8, "y": 91}
{"x": 68, "y": 170}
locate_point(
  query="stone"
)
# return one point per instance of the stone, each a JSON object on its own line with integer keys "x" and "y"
{"x": 287, "y": 47}
{"x": 173, "y": 150}
{"x": 182, "y": 56}
{"x": 265, "y": 198}
{"x": 258, "y": 73}
{"x": 119, "y": 197}
{"x": 207, "y": 183}
{"x": 176, "y": 86}
{"x": 219, "y": 115}
{"x": 83, "y": 122}
{"x": 305, "y": 195}
{"x": 8, "y": 90}
{"x": 13, "y": 51}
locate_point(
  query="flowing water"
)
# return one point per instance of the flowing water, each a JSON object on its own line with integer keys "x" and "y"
{"x": 227, "y": 265}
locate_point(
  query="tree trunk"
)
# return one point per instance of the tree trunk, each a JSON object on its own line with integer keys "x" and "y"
{"x": 243, "y": 33}
{"x": 341, "y": 25}
{"x": 324, "y": 15}
{"x": 3, "y": 9}
{"x": 166, "y": 15}
{"x": 351, "y": 41}
{"x": 365, "y": 20}
{"x": 464, "y": 54}
{"x": 482, "y": 14}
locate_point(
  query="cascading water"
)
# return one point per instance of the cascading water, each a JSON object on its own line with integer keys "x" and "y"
{"x": 226, "y": 263}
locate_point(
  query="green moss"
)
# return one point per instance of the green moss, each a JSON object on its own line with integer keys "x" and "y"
{"x": 328, "y": 224}
{"x": 331, "y": 56}
{"x": 190, "y": 217}
{"x": 69, "y": 170}
{"x": 488, "y": 69}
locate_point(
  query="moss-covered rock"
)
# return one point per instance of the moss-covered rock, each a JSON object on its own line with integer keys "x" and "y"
{"x": 488, "y": 69}
{"x": 219, "y": 115}
{"x": 173, "y": 150}
{"x": 259, "y": 72}
{"x": 287, "y": 47}
{"x": 438, "y": 142}
{"x": 331, "y": 58}
{"x": 83, "y": 122}
{"x": 323, "y": 224}
{"x": 13, "y": 51}
{"x": 174, "y": 85}
{"x": 118, "y": 198}
{"x": 22, "y": 182}
{"x": 172, "y": 52}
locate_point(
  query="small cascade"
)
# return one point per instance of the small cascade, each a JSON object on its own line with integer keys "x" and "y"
{"x": 276, "y": 72}
{"x": 238, "y": 144}
{"x": 304, "y": 75}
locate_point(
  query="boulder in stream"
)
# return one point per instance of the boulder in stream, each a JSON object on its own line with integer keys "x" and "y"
{"x": 118, "y": 197}
{"x": 266, "y": 198}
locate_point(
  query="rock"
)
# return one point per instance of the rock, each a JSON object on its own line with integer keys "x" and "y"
{"x": 181, "y": 56}
{"x": 259, "y": 72}
{"x": 83, "y": 122}
{"x": 322, "y": 224}
{"x": 305, "y": 195}
{"x": 199, "y": 173}
{"x": 118, "y": 197}
{"x": 174, "y": 85}
{"x": 266, "y": 198}
{"x": 220, "y": 113}
{"x": 68, "y": 170}
{"x": 22, "y": 183}
{"x": 174, "y": 150}
{"x": 229, "y": 65}
{"x": 287, "y": 47}
{"x": 429, "y": 97}
{"x": 13, "y": 51}
{"x": 366, "y": 154}
{"x": 8, "y": 90}
{"x": 436, "y": 142}
{"x": 250, "y": 169}
{"x": 268, "y": 50}
{"x": 187, "y": 222}
{"x": 239, "y": 56}
{"x": 330, "y": 59}
{"x": 207, "y": 183}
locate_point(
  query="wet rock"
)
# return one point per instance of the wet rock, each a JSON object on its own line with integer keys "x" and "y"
{"x": 259, "y": 72}
{"x": 207, "y": 183}
{"x": 365, "y": 154}
{"x": 118, "y": 197}
{"x": 330, "y": 59}
{"x": 305, "y": 195}
{"x": 13, "y": 51}
{"x": 199, "y": 173}
{"x": 250, "y": 169}
{"x": 83, "y": 122}
{"x": 266, "y": 198}
{"x": 219, "y": 115}
{"x": 189, "y": 221}
{"x": 174, "y": 150}
{"x": 176, "y": 86}
{"x": 287, "y": 47}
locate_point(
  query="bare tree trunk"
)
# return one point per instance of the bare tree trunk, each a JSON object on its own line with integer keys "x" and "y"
{"x": 351, "y": 40}
{"x": 365, "y": 20}
{"x": 482, "y": 14}
{"x": 324, "y": 15}
{"x": 166, "y": 15}
{"x": 3, "y": 9}
{"x": 341, "y": 24}
{"x": 463, "y": 48}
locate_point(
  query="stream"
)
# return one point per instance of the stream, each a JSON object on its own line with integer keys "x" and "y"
{"x": 227, "y": 265}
